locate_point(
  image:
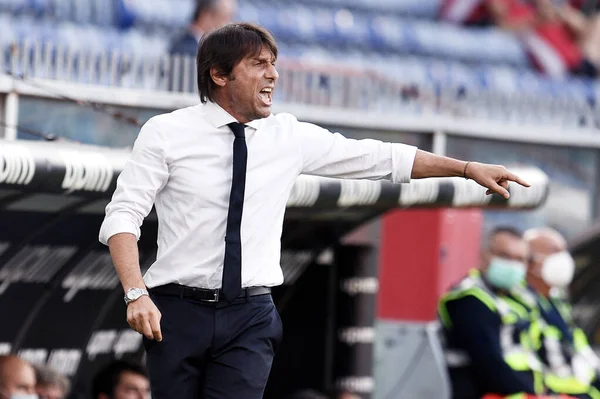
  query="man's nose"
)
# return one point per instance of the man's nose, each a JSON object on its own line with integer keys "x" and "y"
{"x": 272, "y": 73}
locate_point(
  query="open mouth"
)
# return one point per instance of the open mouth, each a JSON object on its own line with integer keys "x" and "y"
{"x": 266, "y": 95}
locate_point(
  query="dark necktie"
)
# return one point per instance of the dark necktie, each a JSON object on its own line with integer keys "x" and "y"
{"x": 232, "y": 268}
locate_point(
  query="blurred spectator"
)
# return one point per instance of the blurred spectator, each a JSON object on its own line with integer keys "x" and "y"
{"x": 487, "y": 334}
{"x": 17, "y": 378}
{"x": 465, "y": 12}
{"x": 558, "y": 22}
{"x": 559, "y": 38}
{"x": 564, "y": 347}
{"x": 51, "y": 384}
{"x": 121, "y": 380}
{"x": 208, "y": 15}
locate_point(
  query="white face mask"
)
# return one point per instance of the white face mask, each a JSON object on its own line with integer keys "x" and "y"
{"x": 24, "y": 396}
{"x": 558, "y": 270}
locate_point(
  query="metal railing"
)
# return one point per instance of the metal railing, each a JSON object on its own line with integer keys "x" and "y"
{"x": 323, "y": 85}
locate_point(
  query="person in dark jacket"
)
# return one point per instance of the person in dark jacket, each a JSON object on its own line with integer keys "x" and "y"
{"x": 488, "y": 351}
{"x": 208, "y": 16}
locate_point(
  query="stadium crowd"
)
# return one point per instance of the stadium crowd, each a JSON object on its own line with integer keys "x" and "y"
{"x": 558, "y": 36}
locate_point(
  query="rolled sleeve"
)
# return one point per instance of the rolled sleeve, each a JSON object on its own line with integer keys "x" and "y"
{"x": 144, "y": 175}
{"x": 118, "y": 223}
{"x": 403, "y": 159}
{"x": 332, "y": 155}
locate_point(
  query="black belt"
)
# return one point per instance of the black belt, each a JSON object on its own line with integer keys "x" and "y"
{"x": 203, "y": 294}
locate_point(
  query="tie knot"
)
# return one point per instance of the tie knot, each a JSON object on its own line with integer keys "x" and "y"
{"x": 238, "y": 129}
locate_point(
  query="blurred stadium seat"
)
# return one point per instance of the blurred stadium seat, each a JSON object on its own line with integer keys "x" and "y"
{"x": 453, "y": 67}
{"x": 345, "y": 25}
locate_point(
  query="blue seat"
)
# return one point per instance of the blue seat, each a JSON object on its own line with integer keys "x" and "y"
{"x": 324, "y": 23}
{"x": 386, "y": 34}
{"x": 286, "y": 23}
{"x": 247, "y": 12}
{"x": 40, "y": 8}
{"x": 414, "y": 8}
{"x": 174, "y": 14}
{"x": 452, "y": 42}
{"x": 352, "y": 28}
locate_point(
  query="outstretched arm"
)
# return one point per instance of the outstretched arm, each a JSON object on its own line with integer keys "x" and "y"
{"x": 493, "y": 177}
{"x": 332, "y": 155}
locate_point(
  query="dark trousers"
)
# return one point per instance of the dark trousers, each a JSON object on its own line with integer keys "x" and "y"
{"x": 213, "y": 350}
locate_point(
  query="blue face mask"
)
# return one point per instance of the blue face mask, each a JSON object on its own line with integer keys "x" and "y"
{"x": 505, "y": 273}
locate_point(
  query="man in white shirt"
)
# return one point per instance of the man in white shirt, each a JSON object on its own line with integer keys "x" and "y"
{"x": 210, "y": 326}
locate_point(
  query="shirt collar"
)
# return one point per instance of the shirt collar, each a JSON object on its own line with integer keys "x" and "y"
{"x": 218, "y": 117}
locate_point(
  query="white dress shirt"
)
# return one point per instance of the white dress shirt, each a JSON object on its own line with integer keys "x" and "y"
{"x": 182, "y": 163}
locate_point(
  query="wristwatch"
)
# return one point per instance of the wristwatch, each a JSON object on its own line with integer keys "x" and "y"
{"x": 134, "y": 293}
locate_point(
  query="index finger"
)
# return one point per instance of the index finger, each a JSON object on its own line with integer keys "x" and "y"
{"x": 512, "y": 177}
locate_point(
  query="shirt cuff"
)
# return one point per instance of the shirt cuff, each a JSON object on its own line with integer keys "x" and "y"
{"x": 403, "y": 159}
{"x": 116, "y": 224}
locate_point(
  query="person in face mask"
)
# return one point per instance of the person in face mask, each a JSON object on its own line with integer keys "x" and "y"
{"x": 550, "y": 268}
{"x": 564, "y": 349}
{"x": 486, "y": 333}
{"x": 17, "y": 379}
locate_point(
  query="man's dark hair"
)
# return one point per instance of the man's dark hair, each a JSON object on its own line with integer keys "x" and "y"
{"x": 512, "y": 231}
{"x": 201, "y": 7}
{"x": 225, "y": 47}
{"x": 107, "y": 379}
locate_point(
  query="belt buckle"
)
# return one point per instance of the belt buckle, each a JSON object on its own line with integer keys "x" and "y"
{"x": 216, "y": 296}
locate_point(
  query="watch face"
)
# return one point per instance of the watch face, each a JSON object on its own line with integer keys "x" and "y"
{"x": 131, "y": 294}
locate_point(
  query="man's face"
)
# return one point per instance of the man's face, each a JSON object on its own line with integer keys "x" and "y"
{"x": 17, "y": 380}
{"x": 507, "y": 246}
{"x": 505, "y": 261}
{"x": 541, "y": 248}
{"x": 132, "y": 386}
{"x": 50, "y": 392}
{"x": 248, "y": 91}
{"x": 540, "y": 251}
{"x": 222, "y": 13}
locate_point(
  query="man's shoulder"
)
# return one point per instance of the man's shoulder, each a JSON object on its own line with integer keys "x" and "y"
{"x": 291, "y": 124}
{"x": 282, "y": 118}
{"x": 470, "y": 288}
{"x": 181, "y": 115}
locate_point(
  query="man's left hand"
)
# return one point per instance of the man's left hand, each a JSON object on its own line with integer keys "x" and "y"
{"x": 493, "y": 177}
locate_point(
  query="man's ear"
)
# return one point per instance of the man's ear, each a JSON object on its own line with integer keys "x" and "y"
{"x": 485, "y": 260}
{"x": 218, "y": 77}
